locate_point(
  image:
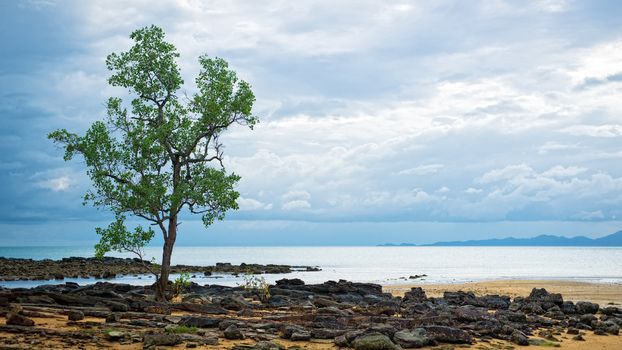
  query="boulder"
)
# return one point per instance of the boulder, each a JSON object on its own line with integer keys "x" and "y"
{"x": 300, "y": 336}
{"x": 568, "y": 308}
{"x": 611, "y": 310}
{"x": 75, "y": 315}
{"x": 234, "y": 303}
{"x": 115, "y": 335}
{"x": 374, "y": 341}
{"x": 288, "y": 330}
{"x": 541, "y": 295}
{"x": 585, "y": 307}
{"x": 199, "y": 321}
{"x": 153, "y": 340}
{"x": 446, "y": 334}
{"x": 18, "y": 320}
{"x": 233, "y": 333}
{"x": 416, "y": 338}
{"x": 519, "y": 338}
{"x": 415, "y": 295}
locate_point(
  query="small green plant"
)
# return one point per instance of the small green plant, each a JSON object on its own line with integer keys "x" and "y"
{"x": 257, "y": 285}
{"x": 182, "y": 282}
{"x": 181, "y": 329}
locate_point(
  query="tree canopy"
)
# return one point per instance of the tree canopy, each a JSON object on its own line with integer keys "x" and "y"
{"x": 161, "y": 153}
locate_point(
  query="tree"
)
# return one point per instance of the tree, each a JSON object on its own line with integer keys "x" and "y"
{"x": 164, "y": 153}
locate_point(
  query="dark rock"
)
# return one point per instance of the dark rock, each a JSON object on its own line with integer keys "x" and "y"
{"x": 532, "y": 308}
{"x": 233, "y": 333}
{"x": 331, "y": 310}
{"x": 382, "y": 328}
{"x": 75, "y": 315}
{"x": 115, "y": 335}
{"x": 234, "y": 303}
{"x": 201, "y": 308}
{"x": 445, "y": 334}
{"x": 568, "y": 308}
{"x": 587, "y": 318}
{"x": 290, "y": 282}
{"x": 109, "y": 274}
{"x": 519, "y": 338}
{"x": 511, "y": 316}
{"x": 415, "y": 295}
{"x": 153, "y": 340}
{"x": 300, "y": 336}
{"x": 572, "y": 331}
{"x": 262, "y": 345}
{"x": 494, "y": 301}
{"x": 416, "y": 338}
{"x": 18, "y": 320}
{"x": 341, "y": 341}
{"x": 584, "y": 307}
{"x": 326, "y": 333}
{"x": 373, "y": 342}
{"x": 113, "y": 318}
{"x": 289, "y": 329}
{"x": 611, "y": 310}
{"x": 469, "y": 313}
{"x": 611, "y": 327}
{"x": 324, "y": 321}
{"x": 543, "y": 296}
{"x": 199, "y": 321}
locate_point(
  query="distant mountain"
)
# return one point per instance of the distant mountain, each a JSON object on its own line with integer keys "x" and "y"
{"x": 612, "y": 240}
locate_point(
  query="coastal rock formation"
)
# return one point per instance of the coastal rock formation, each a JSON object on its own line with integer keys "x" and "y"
{"x": 343, "y": 313}
{"x": 109, "y": 267}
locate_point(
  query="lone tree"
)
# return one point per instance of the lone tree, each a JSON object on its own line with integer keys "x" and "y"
{"x": 163, "y": 154}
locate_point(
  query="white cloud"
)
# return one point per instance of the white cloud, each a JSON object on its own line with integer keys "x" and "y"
{"x": 590, "y": 215}
{"x": 472, "y": 190}
{"x": 421, "y": 170}
{"x": 594, "y": 130}
{"x": 56, "y": 184}
{"x": 552, "y": 146}
{"x": 252, "y": 204}
{"x": 560, "y": 171}
{"x": 507, "y": 173}
{"x": 296, "y": 195}
{"x": 296, "y": 204}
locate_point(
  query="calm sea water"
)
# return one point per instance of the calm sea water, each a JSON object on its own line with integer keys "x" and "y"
{"x": 384, "y": 265}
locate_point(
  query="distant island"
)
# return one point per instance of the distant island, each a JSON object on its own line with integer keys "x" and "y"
{"x": 612, "y": 240}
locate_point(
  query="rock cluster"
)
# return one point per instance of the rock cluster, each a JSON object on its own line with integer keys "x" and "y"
{"x": 346, "y": 314}
{"x": 109, "y": 267}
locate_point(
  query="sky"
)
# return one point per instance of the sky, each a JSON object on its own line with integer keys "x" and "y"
{"x": 402, "y": 121}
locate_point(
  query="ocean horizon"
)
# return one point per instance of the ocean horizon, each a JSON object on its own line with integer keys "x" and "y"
{"x": 374, "y": 264}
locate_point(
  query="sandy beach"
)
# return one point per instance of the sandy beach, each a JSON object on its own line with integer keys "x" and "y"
{"x": 601, "y": 293}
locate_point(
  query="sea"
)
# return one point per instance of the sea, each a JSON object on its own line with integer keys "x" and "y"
{"x": 382, "y": 265}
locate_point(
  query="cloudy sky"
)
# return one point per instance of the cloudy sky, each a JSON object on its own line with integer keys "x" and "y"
{"x": 380, "y": 121}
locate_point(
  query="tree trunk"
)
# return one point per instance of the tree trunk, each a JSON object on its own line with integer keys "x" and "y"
{"x": 167, "y": 252}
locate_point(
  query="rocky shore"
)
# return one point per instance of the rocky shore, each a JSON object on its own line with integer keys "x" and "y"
{"x": 292, "y": 314}
{"x": 109, "y": 267}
